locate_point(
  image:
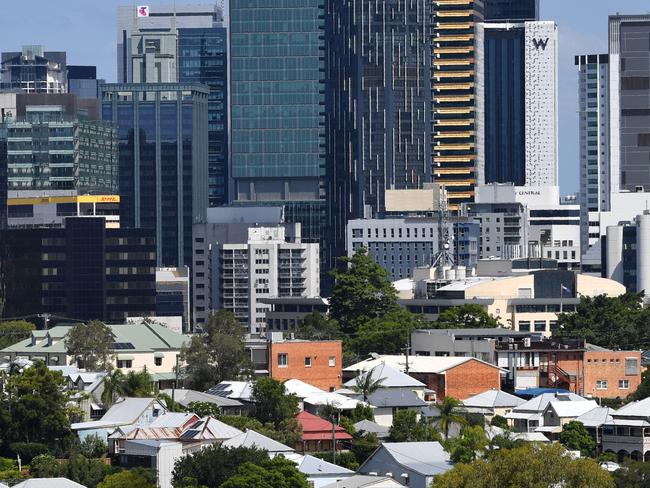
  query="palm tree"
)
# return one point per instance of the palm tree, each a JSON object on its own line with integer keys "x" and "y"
{"x": 449, "y": 415}
{"x": 366, "y": 384}
{"x": 113, "y": 388}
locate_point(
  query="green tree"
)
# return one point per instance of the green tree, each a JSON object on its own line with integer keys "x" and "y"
{"x": 576, "y": 437}
{"x": 386, "y": 334}
{"x": 643, "y": 391}
{"x": 634, "y": 474}
{"x": 125, "y": 479}
{"x": 213, "y": 465}
{"x": 471, "y": 443}
{"x": 449, "y": 415}
{"x": 14, "y": 331}
{"x": 93, "y": 446}
{"x": 271, "y": 473}
{"x": 407, "y": 428}
{"x": 366, "y": 383}
{"x": 362, "y": 291}
{"x": 138, "y": 384}
{"x": 44, "y": 466}
{"x": 35, "y": 407}
{"x": 529, "y": 466}
{"x": 362, "y": 412}
{"x": 87, "y": 472}
{"x": 613, "y": 322}
{"x": 363, "y": 445}
{"x": 204, "y": 409}
{"x": 91, "y": 345}
{"x": 216, "y": 353}
{"x": 272, "y": 403}
{"x": 315, "y": 326}
{"x": 499, "y": 421}
{"x": 113, "y": 388}
{"x": 467, "y": 316}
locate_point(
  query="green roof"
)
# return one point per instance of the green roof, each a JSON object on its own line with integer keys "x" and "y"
{"x": 142, "y": 338}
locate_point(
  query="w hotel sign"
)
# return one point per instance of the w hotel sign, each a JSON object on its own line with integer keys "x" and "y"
{"x": 540, "y": 42}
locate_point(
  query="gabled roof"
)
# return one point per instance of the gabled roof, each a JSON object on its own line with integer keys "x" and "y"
{"x": 237, "y": 390}
{"x": 209, "y": 428}
{"x": 48, "y": 483}
{"x": 390, "y": 378}
{"x": 313, "y": 467}
{"x": 425, "y": 458}
{"x": 395, "y": 397}
{"x": 317, "y": 428}
{"x": 175, "y": 419}
{"x": 571, "y": 409}
{"x": 596, "y": 417}
{"x": 493, "y": 399}
{"x": 301, "y": 389}
{"x": 341, "y": 402}
{"x": 124, "y": 412}
{"x": 539, "y": 403}
{"x": 250, "y": 438}
{"x": 372, "y": 427}
{"x": 185, "y": 397}
{"x": 417, "y": 364}
{"x": 365, "y": 481}
{"x": 639, "y": 408}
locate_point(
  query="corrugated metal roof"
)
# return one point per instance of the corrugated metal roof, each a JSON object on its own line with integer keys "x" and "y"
{"x": 389, "y": 377}
{"x": 250, "y": 438}
{"x": 426, "y": 458}
{"x": 493, "y": 399}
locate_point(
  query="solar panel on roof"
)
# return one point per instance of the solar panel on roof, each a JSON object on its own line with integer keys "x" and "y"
{"x": 189, "y": 434}
{"x": 120, "y": 346}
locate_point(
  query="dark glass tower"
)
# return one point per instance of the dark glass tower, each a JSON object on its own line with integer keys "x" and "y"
{"x": 203, "y": 58}
{"x": 378, "y": 106}
{"x": 162, "y": 137}
{"x": 511, "y": 10}
{"x": 278, "y": 108}
{"x": 505, "y": 105}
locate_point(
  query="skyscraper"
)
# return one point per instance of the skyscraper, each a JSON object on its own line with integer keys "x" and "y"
{"x": 82, "y": 81}
{"x": 162, "y": 136}
{"x": 378, "y": 106}
{"x": 511, "y": 10}
{"x": 34, "y": 70}
{"x": 277, "y": 108}
{"x": 184, "y": 44}
{"x": 454, "y": 97}
{"x": 516, "y": 100}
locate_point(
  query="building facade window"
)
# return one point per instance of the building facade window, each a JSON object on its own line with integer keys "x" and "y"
{"x": 601, "y": 384}
{"x": 332, "y": 361}
{"x": 623, "y": 384}
{"x": 124, "y": 364}
{"x": 307, "y": 362}
{"x": 283, "y": 360}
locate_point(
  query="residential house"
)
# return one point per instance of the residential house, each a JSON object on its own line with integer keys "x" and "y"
{"x": 250, "y": 438}
{"x": 491, "y": 403}
{"x": 412, "y": 463}
{"x": 458, "y": 377}
{"x": 136, "y": 347}
{"x": 528, "y": 416}
{"x": 133, "y": 412}
{"x": 388, "y": 401}
{"x": 317, "y": 363}
{"x": 594, "y": 420}
{"x": 390, "y": 377}
{"x": 628, "y": 433}
{"x": 318, "y": 434}
{"x": 318, "y": 471}
{"x": 312, "y": 399}
{"x": 184, "y": 397}
{"x": 558, "y": 413}
{"x": 48, "y": 483}
{"x": 86, "y": 389}
{"x": 365, "y": 481}
{"x": 160, "y": 455}
{"x": 381, "y": 431}
{"x": 235, "y": 390}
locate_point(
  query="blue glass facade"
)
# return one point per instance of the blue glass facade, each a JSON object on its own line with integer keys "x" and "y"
{"x": 277, "y": 107}
{"x": 203, "y": 58}
{"x": 505, "y": 106}
{"x": 511, "y": 10}
{"x": 162, "y": 133}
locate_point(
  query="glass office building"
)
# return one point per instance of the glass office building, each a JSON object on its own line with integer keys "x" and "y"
{"x": 162, "y": 134}
{"x": 511, "y": 10}
{"x": 277, "y": 108}
{"x": 203, "y": 58}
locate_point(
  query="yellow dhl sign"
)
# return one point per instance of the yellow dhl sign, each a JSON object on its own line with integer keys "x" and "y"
{"x": 67, "y": 199}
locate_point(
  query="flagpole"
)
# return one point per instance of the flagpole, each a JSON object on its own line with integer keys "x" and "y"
{"x": 561, "y": 297}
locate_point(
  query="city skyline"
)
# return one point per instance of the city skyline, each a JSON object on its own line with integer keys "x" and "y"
{"x": 581, "y": 31}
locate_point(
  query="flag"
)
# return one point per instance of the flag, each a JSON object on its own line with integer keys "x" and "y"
{"x": 565, "y": 289}
{"x": 143, "y": 10}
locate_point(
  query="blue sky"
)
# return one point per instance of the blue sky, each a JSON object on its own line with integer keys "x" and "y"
{"x": 86, "y": 30}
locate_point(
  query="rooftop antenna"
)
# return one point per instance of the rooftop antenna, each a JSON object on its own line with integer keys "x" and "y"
{"x": 443, "y": 257}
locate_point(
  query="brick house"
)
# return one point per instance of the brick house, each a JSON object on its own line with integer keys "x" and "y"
{"x": 458, "y": 377}
{"x": 317, "y": 363}
{"x": 317, "y": 434}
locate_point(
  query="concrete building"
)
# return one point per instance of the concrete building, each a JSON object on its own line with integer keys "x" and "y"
{"x": 317, "y": 363}
{"x": 173, "y": 294}
{"x": 272, "y": 263}
{"x": 516, "y": 100}
{"x": 162, "y": 140}
{"x": 34, "y": 70}
{"x": 224, "y": 225}
{"x": 400, "y": 245}
{"x": 83, "y": 271}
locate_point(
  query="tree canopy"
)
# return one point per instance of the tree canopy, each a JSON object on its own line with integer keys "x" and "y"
{"x": 13, "y": 331}
{"x": 272, "y": 403}
{"x": 217, "y": 353}
{"x": 270, "y": 473}
{"x": 316, "y": 326}
{"x": 467, "y": 316}
{"x": 529, "y": 466}
{"x": 387, "y": 334}
{"x": 125, "y": 479}
{"x": 91, "y": 345}
{"x": 613, "y": 322}
{"x": 576, "y": 437}
{"x": 407, "y": 428}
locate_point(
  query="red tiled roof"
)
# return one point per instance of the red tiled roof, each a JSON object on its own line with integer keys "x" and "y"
{"x": 316, "y": 428}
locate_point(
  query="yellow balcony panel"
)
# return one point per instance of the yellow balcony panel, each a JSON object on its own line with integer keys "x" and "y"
{"x": 453, "y": 50}
{"x": 454, "y": 110}
{"x": 454, "y": 123}
{"x": 465, "y": 158}
{"x": 453, "y": 135}
{"x": 452, "y": 2}
{"x": 454, "y": 25}
{"x": 452, "y": 171}
{"x": 453, "y": 86}
{"x": 451, "y": 99}
{"x": 459, "y": 195}
{"x": 453, "y": 147}
{"x": 453, "y": 13}
{"x": 453, "y": 62}
{"x": 453, "y": 38}
{"x": 453, "y": 74}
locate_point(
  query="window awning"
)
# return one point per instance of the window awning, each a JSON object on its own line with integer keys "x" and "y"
{"x": 159, "y": 354}
{"x": 125, "y": 357}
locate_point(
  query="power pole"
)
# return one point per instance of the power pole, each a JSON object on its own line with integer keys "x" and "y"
{"x": 333, "y": 440}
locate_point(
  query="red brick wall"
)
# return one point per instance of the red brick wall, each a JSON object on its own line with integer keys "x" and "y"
{"x": 320, "y": 374}
{"x": 610, "y": 366}
{"x": 470, "y": 378}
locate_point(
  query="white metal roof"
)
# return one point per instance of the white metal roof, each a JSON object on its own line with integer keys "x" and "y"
{"x": 301, "y": 389}
{"x": 417, "y": 364}
{"x": 640, "y": 408}
{"x": 390, "y": 378}
{"x": 571, "y": 409}
{"x": 493, "y": 399}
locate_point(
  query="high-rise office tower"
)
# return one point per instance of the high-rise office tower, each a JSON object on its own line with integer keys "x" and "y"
{"x": 184, "y": 44}
{"x": 378, "y": 106}
{"x": 278, "y": 108}
{"x": 82, "y": 81}
{"x": 34, "y": 70}
{"x": 511, "y": 10}
{"x": 593, "y": 98}
{"x": 516, "y": 100}
{"x": 454, "y": 97}
{"x": 162, "y": 136}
